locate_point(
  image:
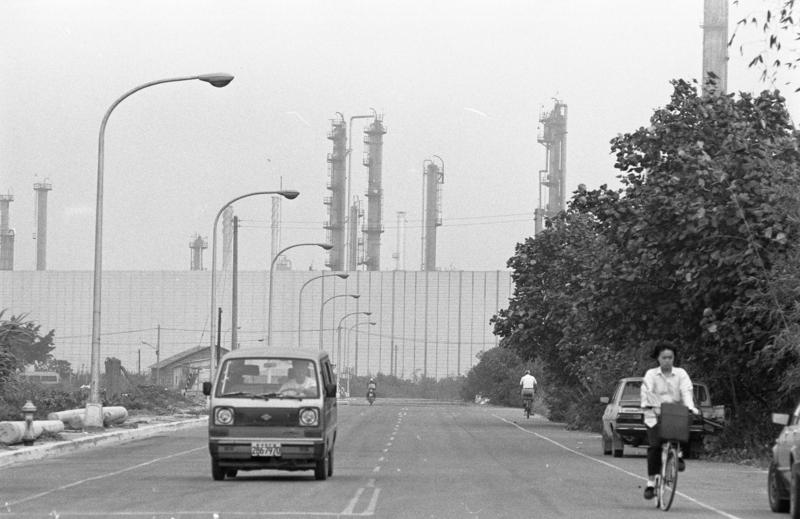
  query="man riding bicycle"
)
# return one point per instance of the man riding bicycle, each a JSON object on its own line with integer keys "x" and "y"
{"x": 527, "y": 385}
{"x": 663, "y": 384}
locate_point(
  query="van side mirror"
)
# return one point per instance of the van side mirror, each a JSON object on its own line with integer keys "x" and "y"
{"x": 604, "y": 400}
{"x": 330, "y": 390}
{"x": 206, "y": 388}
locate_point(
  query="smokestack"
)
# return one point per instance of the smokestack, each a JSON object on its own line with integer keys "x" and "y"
{"x": 6, "y": 235}
{"x": 41, "y": 224}
{"x": 715, "y": 43}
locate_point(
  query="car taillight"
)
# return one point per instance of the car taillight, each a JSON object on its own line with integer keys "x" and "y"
{"x": 309, "y": 417}
{"x": 223, "y": 416}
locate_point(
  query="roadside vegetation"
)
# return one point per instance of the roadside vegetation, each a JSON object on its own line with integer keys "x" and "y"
{"x": 24, "y": 343}
{"x": 699, "y": 246}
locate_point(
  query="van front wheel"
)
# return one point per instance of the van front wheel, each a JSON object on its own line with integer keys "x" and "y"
{"x": 322, "y": 468}
{"x": 217, "y": 472}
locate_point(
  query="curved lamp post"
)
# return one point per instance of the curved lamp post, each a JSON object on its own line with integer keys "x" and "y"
{"x": 94, "y": 407}
{"x": 347, "y": 340}
{"x": 339, "y": 337}
{"x": 326, "y": 246}
{"x": 341, "y": 275}
{"x": 291, "y": 195}
{"x": 322, "y": 309}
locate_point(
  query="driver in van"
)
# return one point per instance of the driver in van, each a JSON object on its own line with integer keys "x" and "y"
{"x": 299, "y": 382}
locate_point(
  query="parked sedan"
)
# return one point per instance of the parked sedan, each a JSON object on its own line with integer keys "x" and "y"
{"x": 623, "y": 419}
{"x": 783, "y": 477}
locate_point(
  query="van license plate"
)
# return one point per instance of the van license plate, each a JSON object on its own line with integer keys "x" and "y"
{"x": 263, "y": 449}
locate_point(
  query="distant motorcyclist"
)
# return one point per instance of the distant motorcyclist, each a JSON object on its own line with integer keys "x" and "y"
{"x": 372, "y": 387}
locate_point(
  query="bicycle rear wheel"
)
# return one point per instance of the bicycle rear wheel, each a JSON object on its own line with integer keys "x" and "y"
{"x": 669, "y": 479}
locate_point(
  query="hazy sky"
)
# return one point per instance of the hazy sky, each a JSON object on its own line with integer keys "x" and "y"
{"x": 463, "y": 80}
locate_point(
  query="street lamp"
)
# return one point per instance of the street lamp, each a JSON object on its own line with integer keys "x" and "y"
{"x": 341, "y": 275}
{"x": 339, "y": 337}
{"x": 347, "y": 340}
{"x": 94, "y": 407}
{"x": 158, "y": 360}
{"x": 326, "y": 246}
{"x": 322, "y": 309}
{"x": 291, "y": 195}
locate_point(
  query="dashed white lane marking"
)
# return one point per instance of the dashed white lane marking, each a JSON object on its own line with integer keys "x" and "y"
{"x": 610, "y": 465}
{"x": 370, "y": 510}
{"x": 381, "y": 458}
{"x": 377, "y": 469}
{"x": 348, "y": 510}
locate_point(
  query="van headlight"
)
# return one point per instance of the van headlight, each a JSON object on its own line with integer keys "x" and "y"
{"x": 223, "y": 416}
{"x": 309, "y": 417}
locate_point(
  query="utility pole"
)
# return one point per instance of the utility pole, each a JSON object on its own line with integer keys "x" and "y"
{"x": 235, "y": 286}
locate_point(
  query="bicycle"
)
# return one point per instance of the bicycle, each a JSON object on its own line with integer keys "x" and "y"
{"x": 673, "y": 429}
{"x": 527, "y": 400}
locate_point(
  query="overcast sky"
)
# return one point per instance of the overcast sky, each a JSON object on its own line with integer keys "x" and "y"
{"x": 463, "y": 80}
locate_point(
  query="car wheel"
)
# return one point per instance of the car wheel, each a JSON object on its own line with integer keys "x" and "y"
{"x": 321, "y": 470}
{"x": 217, "y": 472}
{"x": 330, "y": 463}
{"x": 794, "y": 493}
{"x": 606, "y": 444}
{"x": 616, "y": 445}
{"x": 778, "y": 501}
{"x": 231, "y": 473}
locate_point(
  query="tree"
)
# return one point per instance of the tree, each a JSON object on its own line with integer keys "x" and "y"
{"x": 21, "y": 341}
{"x": 778, "y": 25}
{"x": 698, "y": 246}
{"x": 495, "y": 376}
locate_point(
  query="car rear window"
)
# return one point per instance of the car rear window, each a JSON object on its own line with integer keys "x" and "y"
{"x": 631, "y": 391}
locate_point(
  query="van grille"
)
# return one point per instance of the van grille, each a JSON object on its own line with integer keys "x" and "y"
{"x": 269, "y": 417}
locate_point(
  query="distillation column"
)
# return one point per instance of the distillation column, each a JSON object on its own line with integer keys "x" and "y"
{"x": 41, "y": 224}
{"x": 433, "y": 178}
{"x": 399, "y": 263}
{"x": 355, "y": 244}
{"x": 373, "y": 159}
{"x": 197, "y": 245}
{"x": 554, "y": 138}
{"x": 6, "y": 235}
{"x": 336, "y": 203}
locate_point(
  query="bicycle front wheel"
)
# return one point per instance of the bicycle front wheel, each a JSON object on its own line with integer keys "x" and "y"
{"x": 669, "y": 479}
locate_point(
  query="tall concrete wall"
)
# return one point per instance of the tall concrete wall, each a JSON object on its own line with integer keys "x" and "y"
{"x": 135, "y": 303}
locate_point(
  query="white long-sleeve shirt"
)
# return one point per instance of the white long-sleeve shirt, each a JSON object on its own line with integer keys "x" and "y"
{"x": 658, "y": 388}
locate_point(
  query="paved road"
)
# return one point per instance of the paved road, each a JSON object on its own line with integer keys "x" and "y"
{"x": 394, "y": 459}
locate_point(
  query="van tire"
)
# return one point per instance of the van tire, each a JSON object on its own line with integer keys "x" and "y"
{"x": 217, "y": 472}
{"x": 322, "y": 468}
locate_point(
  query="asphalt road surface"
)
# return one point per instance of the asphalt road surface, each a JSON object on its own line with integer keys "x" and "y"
{"x": 398, "y": 458}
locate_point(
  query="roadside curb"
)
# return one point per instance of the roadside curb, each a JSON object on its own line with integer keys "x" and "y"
{"x": 37, "y": 452}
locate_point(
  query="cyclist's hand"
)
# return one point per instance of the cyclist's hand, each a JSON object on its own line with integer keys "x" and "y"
{"x": 696, "y": 411}
{"x": 657, "y": 411}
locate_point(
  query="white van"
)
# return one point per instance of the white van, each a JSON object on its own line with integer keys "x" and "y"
{"x": 272, "y": 409}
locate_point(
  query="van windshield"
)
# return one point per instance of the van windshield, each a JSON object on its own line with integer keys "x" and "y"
{"x": 268, "y": 377}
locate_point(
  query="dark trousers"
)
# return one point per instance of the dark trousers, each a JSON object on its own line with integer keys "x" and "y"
{"x": 654, "y": 451}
